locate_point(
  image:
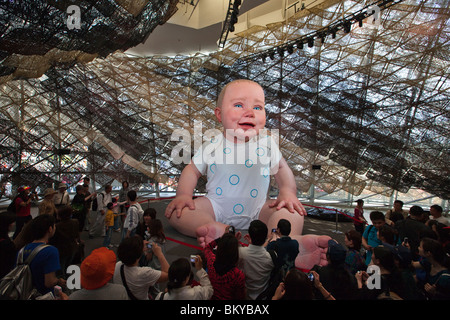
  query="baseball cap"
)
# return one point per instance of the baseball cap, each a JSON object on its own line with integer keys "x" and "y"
{"x": 97, "y": 268}
{"x": 336, "y": 252}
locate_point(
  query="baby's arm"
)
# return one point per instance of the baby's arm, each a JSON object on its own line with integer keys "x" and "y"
{"x": 186, "y": 185}
{"x": 287, "y": 196}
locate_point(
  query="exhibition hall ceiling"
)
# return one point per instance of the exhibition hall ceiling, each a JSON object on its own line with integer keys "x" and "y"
{"x": 359, "y": 108}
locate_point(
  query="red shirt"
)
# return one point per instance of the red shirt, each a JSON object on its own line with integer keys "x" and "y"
{"x": 358, "y": 215}
{"x": 231, "y": 285}
{"x": 20, "y": 210}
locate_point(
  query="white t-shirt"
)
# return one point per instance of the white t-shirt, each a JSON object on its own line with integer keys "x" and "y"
{"x": 139, "y": 279}
{"x": 257, "y": 265}
{"x": 238, "y": 176}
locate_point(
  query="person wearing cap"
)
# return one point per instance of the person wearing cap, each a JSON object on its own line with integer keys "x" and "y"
{"x": 97, "y": 270}
{"x": 23, "y": 208}
{"x": 62, "y": 197}
{"x": 47, "y": 205}
{"x": 335, "y": 277}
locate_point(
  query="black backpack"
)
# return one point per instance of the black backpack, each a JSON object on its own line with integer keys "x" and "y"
{"x": 276, "y": 276}
{"x": 12, "y": 206}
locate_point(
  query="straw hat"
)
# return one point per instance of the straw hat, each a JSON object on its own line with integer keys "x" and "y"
{"x": 49, "y": 192}
{"x": 62, "y": 185}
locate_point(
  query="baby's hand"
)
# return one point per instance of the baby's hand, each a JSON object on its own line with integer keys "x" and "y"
{"x": 178, "y": 204}
{"x": 290, "y": 201}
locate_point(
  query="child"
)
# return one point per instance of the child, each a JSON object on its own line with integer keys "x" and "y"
{"x": 237, "y": 192}
{"x": 354, "y": 260}
{"x": 109, "y": 224}
{"x": 359, "y": 221}
{"x": 132, "y": 219}
{"x": 156, "y": 235}
{"x": 117, "y": 213}
{"x": 180, "y": 278}
{"x": 370, "y": 236}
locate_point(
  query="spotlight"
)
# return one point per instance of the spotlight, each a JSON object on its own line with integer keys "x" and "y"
{"x": 322, "y": 38}
{"x": 280, "y": 51}
{"x": 271, "y": 54}
{"x": 300, "y": 44}
{"x": 311, "y": 42}
{"x": 233, "y": 19}
{"x": 333, "y": 34}
{"x": 347, "y": 26}
{"x": 290, "y": 49}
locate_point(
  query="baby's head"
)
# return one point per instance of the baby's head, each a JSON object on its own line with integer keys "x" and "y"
{"x": 241, "y": 109}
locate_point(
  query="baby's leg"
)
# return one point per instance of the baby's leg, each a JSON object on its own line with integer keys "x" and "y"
{"x": 312, "y": 248}
{"x": 271, "y": 216}
{"x": 199, "y": 223}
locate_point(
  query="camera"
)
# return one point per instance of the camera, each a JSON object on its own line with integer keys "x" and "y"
{"x": 231, "y": 230}
{"x": 193, "y": 259}
{"x": 406, "y": 240}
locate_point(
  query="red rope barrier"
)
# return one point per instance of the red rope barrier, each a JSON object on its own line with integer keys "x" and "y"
{"x": 185, "y": 243}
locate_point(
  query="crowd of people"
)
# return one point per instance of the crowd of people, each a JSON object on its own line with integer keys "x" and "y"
{"x": 400, "y": 254}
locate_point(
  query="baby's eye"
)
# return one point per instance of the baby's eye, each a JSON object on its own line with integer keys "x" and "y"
{"x": 257, "y": 107}
{"x": 238, "y": 105}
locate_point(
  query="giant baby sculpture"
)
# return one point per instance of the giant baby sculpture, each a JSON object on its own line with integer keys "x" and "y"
{"x": 238, "y": 164}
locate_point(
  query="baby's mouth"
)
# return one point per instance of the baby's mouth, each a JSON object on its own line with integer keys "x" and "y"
{"x": 246, "y": 125}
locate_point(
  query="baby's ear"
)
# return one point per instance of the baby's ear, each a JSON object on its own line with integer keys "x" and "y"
{"x": 218, "y": 113}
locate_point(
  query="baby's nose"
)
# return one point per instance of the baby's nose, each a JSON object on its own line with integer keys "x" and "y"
{"x": 249, "y": 113}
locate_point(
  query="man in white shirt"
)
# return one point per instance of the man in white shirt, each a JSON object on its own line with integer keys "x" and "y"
{"x": 138, "y": 279}
{"x": 62, "y": 198}
{"x": 103, "y": 198}
{"x": 436, "y": 214}
{"x": 255, "y": 260}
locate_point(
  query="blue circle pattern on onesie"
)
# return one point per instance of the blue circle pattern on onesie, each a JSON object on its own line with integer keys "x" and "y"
{"x": 234, "y": 189}
{"x": 234, "y": 179}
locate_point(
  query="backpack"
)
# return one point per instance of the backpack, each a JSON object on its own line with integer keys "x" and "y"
{"x": 276, "y": 276}
{"x": 18, "y": 283}
{"x": 12, "y": 206}
{"x": 95, "y": 202}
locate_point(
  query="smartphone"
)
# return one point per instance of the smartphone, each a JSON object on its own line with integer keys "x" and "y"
{"x": 231, "y": 230}
{"x": 310, "y": 276}
{"x": 274, "y": 230}
{"x": 406, "y": 240}
{"x": 57, "y": 291}
{"x": 193, "y": 259}
{"x": 149, "y": 245}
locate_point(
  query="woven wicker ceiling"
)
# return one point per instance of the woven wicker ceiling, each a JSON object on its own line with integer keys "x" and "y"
{"x": 371, "y": 107}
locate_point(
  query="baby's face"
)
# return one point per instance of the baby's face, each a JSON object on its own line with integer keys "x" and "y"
{"x": 242, "y": 109}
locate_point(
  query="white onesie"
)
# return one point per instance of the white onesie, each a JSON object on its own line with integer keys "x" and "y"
{"x": 238, "y": 176}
